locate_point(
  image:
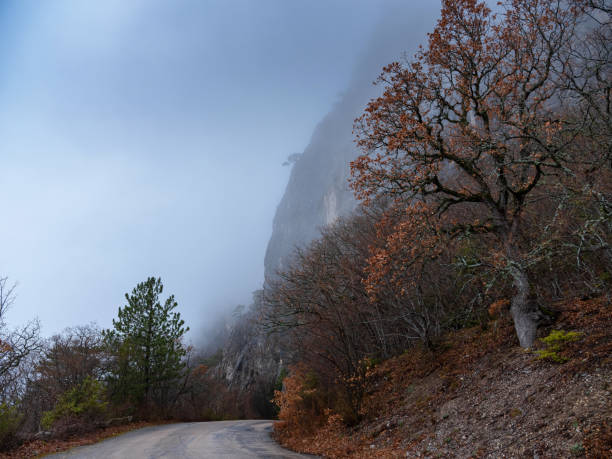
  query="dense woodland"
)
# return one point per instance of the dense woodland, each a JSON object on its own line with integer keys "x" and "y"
{"x": 485, "y": 181}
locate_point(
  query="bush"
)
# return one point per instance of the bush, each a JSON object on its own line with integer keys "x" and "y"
{"x": 83, "y": 404}
{"x": 10, "y": 419}
{"x": 555, "y": 343}
{"x": 301, "y": 402}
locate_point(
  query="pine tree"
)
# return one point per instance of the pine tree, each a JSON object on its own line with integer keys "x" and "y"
{"x": 146, "y": 342}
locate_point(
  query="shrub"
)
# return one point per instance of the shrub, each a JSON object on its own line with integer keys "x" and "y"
{"x": 83, "y": 404}
{"x": 577, "y": 449}
{"x": 301, "y": 402}
{"x": 10, "y": 419}
{"x": 278, "y": 385}
{"x": 555, "y": 343}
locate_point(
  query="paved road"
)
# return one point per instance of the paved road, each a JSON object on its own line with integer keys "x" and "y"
{"x": 223, "y": 439}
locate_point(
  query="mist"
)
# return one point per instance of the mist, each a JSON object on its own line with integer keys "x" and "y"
{"x": 147, "y": 138}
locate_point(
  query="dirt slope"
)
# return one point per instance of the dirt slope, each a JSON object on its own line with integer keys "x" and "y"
{"x": 480, "y": 395}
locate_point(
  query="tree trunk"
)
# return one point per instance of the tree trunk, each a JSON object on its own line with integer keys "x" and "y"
{"x": 525, "y": 313}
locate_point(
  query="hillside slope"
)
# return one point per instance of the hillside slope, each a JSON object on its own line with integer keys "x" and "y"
{"x": 480, "y": 395}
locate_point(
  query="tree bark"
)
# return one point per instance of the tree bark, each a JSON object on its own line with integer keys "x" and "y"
{"x": 525, "y": 313}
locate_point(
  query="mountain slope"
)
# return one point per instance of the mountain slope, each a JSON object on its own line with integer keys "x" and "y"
{"x": 478, "y": 395}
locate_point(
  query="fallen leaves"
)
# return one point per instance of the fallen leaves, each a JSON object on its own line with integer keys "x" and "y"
{"x": 37, "y": 448}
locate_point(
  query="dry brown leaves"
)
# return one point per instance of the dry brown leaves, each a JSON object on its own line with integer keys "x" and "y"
{"x": 37, "y": 448}
{"x": 439, "y": 401}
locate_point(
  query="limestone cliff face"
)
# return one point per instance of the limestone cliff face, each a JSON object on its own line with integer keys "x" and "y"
{"x": 250, "y": 357}
{"x": 318, "y": 192}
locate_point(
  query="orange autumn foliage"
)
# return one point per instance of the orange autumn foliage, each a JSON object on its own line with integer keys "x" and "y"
{"x": 302, "y": 408}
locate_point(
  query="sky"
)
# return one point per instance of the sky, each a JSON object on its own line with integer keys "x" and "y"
{"x": 146, "y": 138}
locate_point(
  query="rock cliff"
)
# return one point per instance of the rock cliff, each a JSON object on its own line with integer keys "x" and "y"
{"x": 318, "y": 192}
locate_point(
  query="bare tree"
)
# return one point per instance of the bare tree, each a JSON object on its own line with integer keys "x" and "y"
{"x": 16, "y": 347}
{"x": 7, "y": 297}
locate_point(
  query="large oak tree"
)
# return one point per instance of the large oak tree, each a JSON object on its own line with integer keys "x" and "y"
{"x": 466, "y": 134}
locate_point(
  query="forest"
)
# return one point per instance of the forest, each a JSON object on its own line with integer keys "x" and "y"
{"x": 484, "y": 231}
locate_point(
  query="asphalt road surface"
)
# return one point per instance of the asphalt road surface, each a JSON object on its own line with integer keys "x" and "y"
{"x": 223, "y": 439}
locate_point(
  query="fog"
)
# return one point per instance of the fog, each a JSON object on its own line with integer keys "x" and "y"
{"x": 146, "y": 138}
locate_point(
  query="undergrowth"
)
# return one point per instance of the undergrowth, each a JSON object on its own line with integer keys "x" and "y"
{"x": 555, "y": 343}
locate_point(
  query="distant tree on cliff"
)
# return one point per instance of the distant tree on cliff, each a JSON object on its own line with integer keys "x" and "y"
{"x": 147, "y": 348}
